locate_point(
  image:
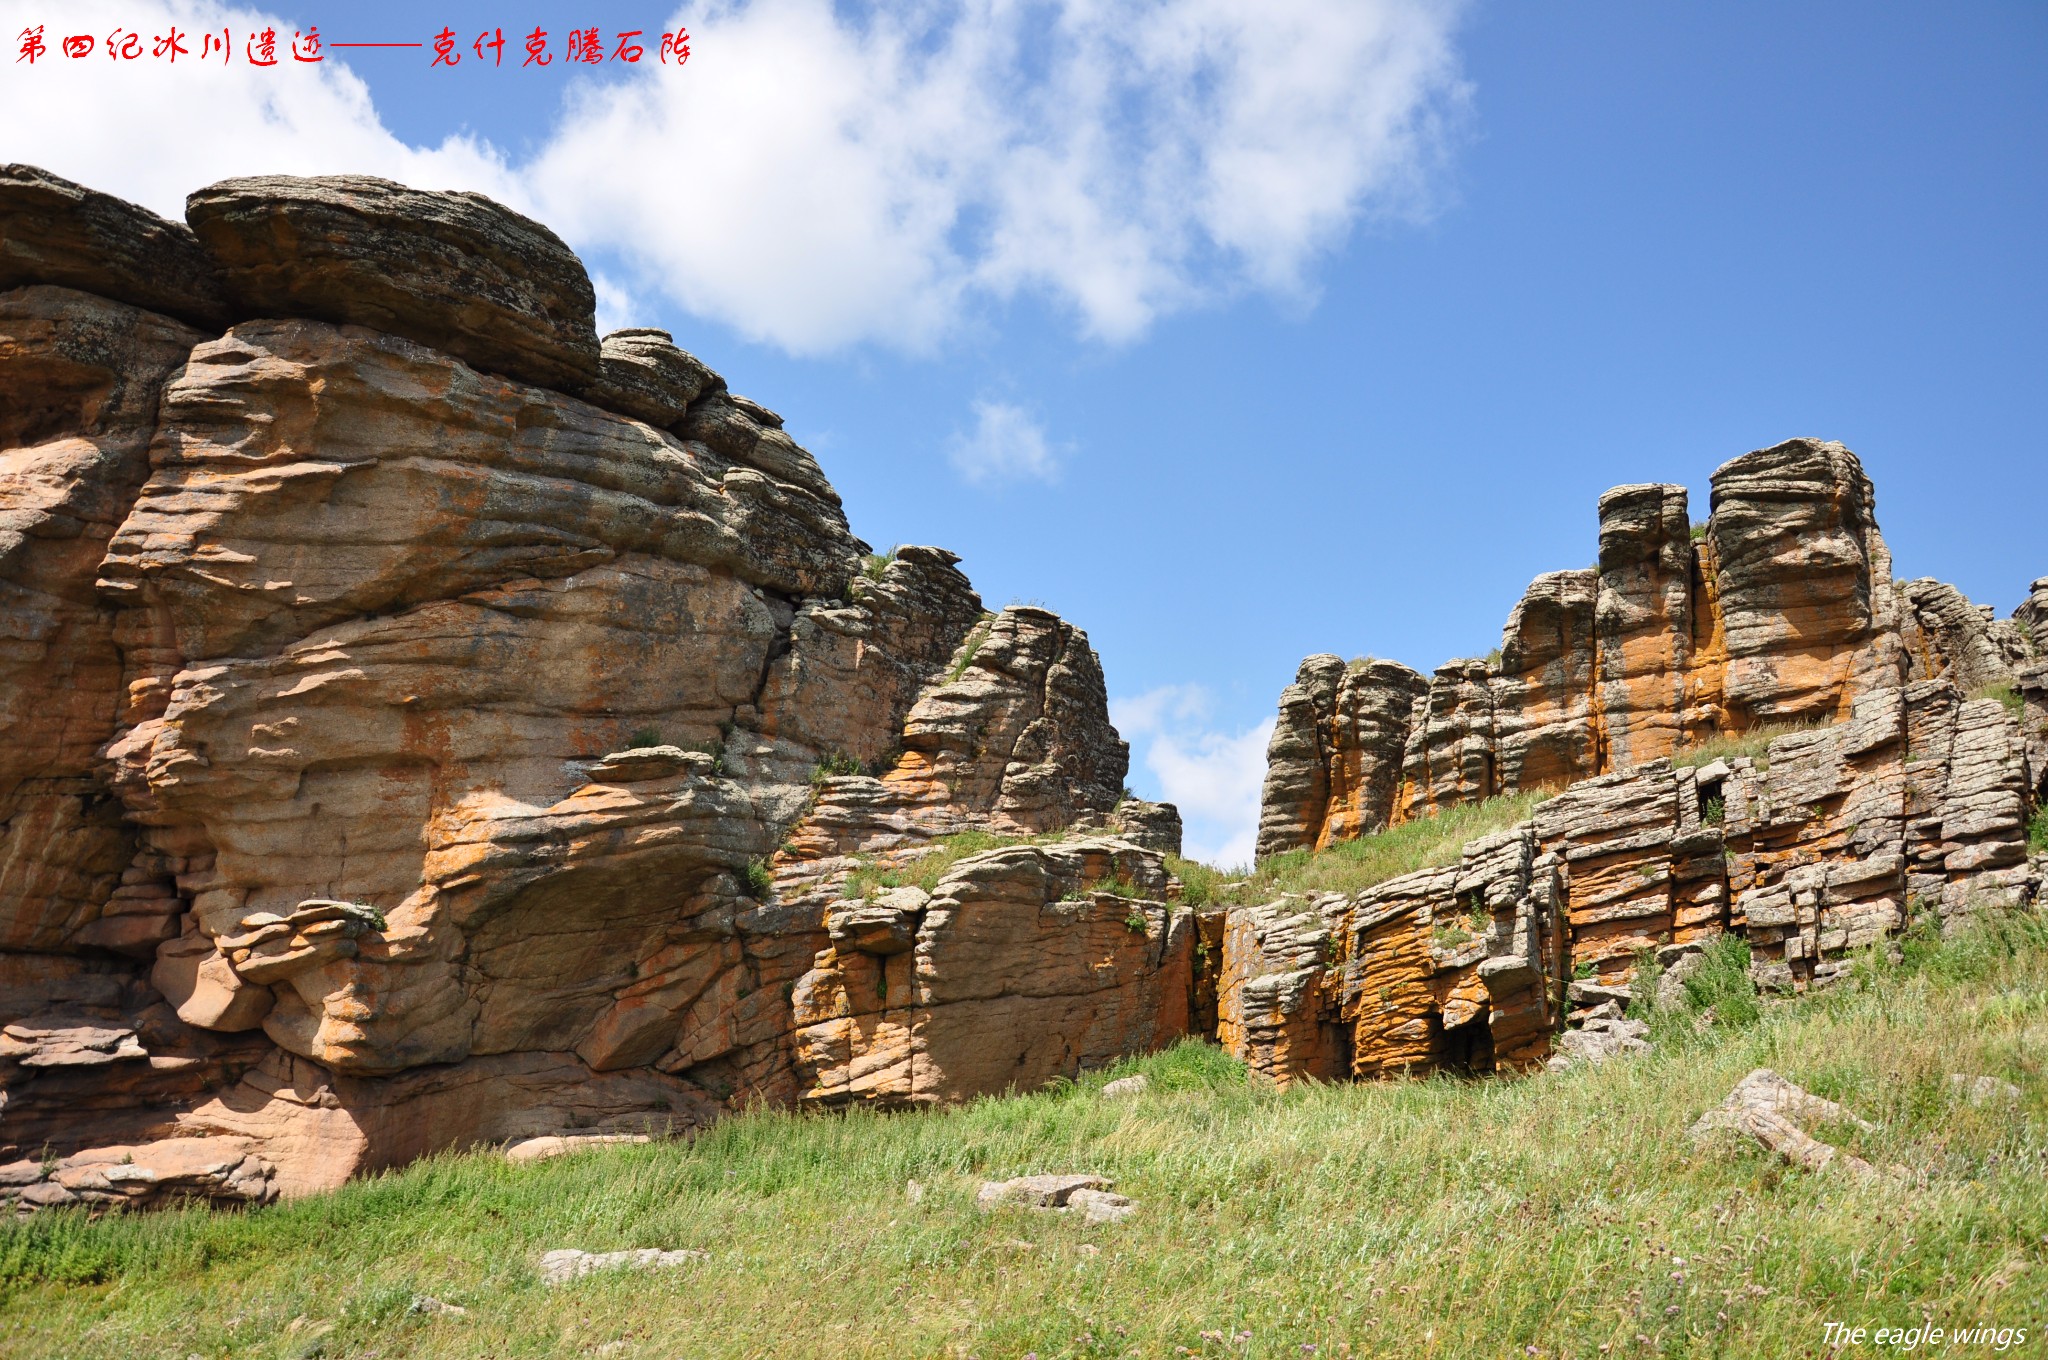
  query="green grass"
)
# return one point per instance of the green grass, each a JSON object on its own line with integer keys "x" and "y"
{"x": 2037, "y": 831}
{"x": 1718, "y": 992}
{"x": 1202, "y": 885}
{"x": 2005, "y": 694}
{"x": 834, "y": 763}
{"x": 875, "y": 566}
{"x": 1349, "y": 866}
{"x": 1755, "y": 744}
{"x": 926, "y": 869}
{"x": 1438, "y": 1218}
{"x": 976, "y": 636}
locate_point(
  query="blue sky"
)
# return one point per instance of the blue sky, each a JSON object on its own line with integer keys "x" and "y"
{"x": 1513, "y": 255}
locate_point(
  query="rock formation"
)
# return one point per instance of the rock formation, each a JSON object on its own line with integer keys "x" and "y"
{"x": 426, "y": 724}
{"x": 1918, "y": 803}
{"x": 1780, "y": 609}
{"x": 1927, "y": 748}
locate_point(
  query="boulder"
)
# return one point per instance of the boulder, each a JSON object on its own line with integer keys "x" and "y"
{"x": 1599, "y": 1040}
{"x": 568, "y": 1263}
{"x": 1778, "y": 1114}
{"x": 1029, "y": 963}
{"x": 55, "y": 232}
{"x": 1089, "y": 1196}
{"x": 1038, "y": 1192}
{"x": 456, "y": 271}
{"x": 550, "y": 1146}
{"x": 1977, "y": 1090}
{"x": 642, "y": 374}
{"x": 1101, "y": 1206}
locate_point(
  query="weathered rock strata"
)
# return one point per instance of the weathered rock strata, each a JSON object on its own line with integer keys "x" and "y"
{"x": 407, "y": 698}
{"x": 456, "y": 271}
{"x": 1908, "y": 794}
{"x": 1781, "y": 609}
{"x": 1069, "y": 951}
{"x": 427, "y": 725}
{"x": 55, "y": 232}
{"x": 1917, "y": 803}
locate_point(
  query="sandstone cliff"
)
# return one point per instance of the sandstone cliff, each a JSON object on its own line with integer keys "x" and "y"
{"x": 1916, "y": 749}
{"x": 1918, "y": 803}
{"x": 425, "y": 722}
{"x": 1779, "y": 609}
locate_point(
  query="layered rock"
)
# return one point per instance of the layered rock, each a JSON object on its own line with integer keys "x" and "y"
{"x": 427, "y": 726}
{"x": 80, "y": 378}
{"x": 1917, "y": 804}
{"x": 1947, "y": 635}
{"x": 456, "y": 271}
{"x": 403, "y": 753}
{"x": 59, "y": 233}
{"x": 644, "y": 374}
{"x": 1779, "y": 610}
{"x": 1021, "y": 965}
{"x": 1335, "y": 761}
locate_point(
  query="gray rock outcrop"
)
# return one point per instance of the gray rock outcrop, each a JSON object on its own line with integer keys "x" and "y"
{"x": 454, "y": 271}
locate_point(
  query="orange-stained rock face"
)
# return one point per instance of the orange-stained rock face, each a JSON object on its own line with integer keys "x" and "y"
{"x": 399, "y": 756}
{"x": 1334, "y": 762}
{"x": 1023, "y": 966}
{"x": 1808, "y": 610}
{"x": 397, "y": 751}
{"x": 79, "y": 383}
{"x": 1019, "y": 727}
{"x": 1916, "y": 804}
{"x": 1780, "y": 609}
{"x": 1643, "y": 622}
{"x": 1550, "y": 730}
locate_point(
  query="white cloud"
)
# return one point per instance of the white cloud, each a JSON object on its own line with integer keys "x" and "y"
{"x": 152, "y": 131}
{"x": 1213, "y": 776}
{"x": 818, "y": 177}
{"x": 616, "y": 305}
{"x": 1006, "y": 445}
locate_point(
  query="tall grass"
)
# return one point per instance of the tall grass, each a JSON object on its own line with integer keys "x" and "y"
{"x": 1439, "y": 1218}
{"x": 2006, "y": 695}
{"x": 1755, "y": 744}
{"x": 1353, "y": 865}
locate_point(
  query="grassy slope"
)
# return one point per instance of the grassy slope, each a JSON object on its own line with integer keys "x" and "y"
{"x": 1428, "y": 842}
{"x": 1436, "y": 1218}
{"x": 1354, "y": 865}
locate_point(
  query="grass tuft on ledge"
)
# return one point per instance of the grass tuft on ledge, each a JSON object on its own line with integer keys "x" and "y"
{"x": 1353, "y": 865}
{"x": 929, "y": 866}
